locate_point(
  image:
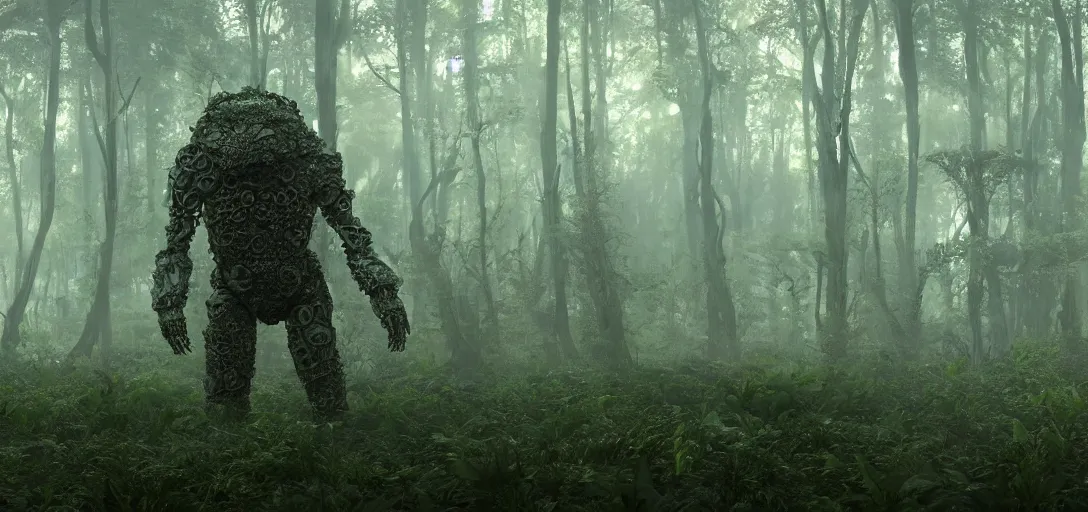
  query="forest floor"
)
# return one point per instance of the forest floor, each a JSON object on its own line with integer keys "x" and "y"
{"x": 1010, "y": 436}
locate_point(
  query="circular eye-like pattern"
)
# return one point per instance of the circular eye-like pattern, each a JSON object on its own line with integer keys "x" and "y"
{"x": 290, "y": 276}
{"x": 226, "y": 238}
{"x": 287, "y": 175}
{"x": 200, "y": 163}
{"x": 246, "y": 199}
{"x": 207, "y": 183}
{"x": 318, "y": 335}
{"x": 282, "y": 198}
{"x": 302, "y": 315}
{"x": 343, "y": 204}
{"x": 240, "y": 278}
{"x": 189, "y": 200}
{"x": 262, "y": 212}
{"x": 259, "y": 245}
{"x": 230, "y": 181}
{"x": 182, "y": 177}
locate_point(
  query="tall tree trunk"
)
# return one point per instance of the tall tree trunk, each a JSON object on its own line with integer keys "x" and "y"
{"x": 470, "y": 10}
{"x": 722, "y": 338}
{"x": 256, "y": 74}
{"x": 90, "y": 155}
{"x": 54, "y": 18}
{"x": 1073, "y": 131}
{"x": 16, "y": 187}
{"x": 834, "y": 118}
{"x": 908, "y": 74}
{"x": 553, "y": 209}
{"x": 330, "y": 31}
{"x": 808, "y": 85}
{"x": 98, "y": 328}
{"x": 596, "y": 264}
{"x": 153, "y": 117}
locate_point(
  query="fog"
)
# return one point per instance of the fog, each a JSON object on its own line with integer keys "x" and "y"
{"x": 654, "y": 255}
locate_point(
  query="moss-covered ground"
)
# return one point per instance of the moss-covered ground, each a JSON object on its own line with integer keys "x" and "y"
{"x": 1012, "y": 435}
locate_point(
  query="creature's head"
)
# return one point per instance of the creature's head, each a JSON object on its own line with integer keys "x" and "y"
{"x": 250, "y": 99}
{"x": 253, "y": 126}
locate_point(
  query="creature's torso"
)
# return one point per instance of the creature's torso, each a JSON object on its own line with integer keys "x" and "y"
{"x": 259, "y": 201}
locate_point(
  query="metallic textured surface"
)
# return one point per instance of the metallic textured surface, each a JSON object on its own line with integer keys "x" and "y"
{"x": 256, "y": 175}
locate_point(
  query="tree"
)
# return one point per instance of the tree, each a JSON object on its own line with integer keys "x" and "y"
{"x": 55, "y": 12}
{"x": 553, "y": 209}
{"x": 1073, "y": 133}
{"x": 908, "y": 74}
{"x": 13, "y": 177}
{"x": 98, "y": 328}
{"x": 722, "y": 338}
{"x": 833, "y": 108}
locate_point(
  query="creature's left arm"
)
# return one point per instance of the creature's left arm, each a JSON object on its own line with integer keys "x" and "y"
{"x": 173, "y": 266}
{"x": 334, "y": 199}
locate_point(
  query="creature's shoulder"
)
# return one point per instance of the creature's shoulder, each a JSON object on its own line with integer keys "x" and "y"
{"x": 192, "y": 177}
{"x": 327, "y": 170}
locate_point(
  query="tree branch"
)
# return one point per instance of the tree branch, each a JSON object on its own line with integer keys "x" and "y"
{"x": 382, "y": 79}
{"x": 92, "y": 38}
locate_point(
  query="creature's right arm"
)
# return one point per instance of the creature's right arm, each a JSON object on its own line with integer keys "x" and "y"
{"x": 173, "y": 267}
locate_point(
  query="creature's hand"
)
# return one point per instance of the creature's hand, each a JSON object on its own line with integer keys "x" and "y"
{"x": 172, "y": 325}
{"x": 390, "y": 310}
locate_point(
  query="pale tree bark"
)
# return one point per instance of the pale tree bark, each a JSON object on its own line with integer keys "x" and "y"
{"x": 1073, "y": 131}
{"x": 331, "y": 29}
{"x": 553, "y": 209}
{"x": 593, "y": 233}
{"x": 55, "y": 12}
{"x": 16, "y": 187}
{"x": 808, "y": 86}
{"x": 908, "y": 74}
{"x": 470, "y": 11}
{"x": 981, "y": 269}
{"x": 669, "y": 19}
{"x": 833, "y": 117}
{"x": 722, "y": 339}
{"x": 427, "y": 249}
{"x": 98, "y": 328}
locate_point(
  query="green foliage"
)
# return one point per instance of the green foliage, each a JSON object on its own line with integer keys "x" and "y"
{"x": 1012, "y": 436}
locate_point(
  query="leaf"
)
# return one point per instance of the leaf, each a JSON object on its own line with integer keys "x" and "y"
{"x": 1019, "y": 433}
{"x": 713, "y": 420}
{"x": 916, "y": 485}
{"x": 464, "y": 470}
{"x": 644, "y": 484}
{"x": 869, "y": 477}
{"x": 831, "y": 461}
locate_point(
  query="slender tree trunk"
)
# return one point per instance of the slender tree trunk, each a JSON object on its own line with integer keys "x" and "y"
{"x": 553, "y": 210}
{"x": 256, "y": 78}
{"x": 470, "y": 11}
{"x": 16, "y": 187}
{"x": 330, "y": 31}
{"x": 722, "y": 337}
{"x": 908, "y": 74}
{"x": 1073, "y": 131}
{"x": 98, "y": 328}
{"x": 54, "y": 16}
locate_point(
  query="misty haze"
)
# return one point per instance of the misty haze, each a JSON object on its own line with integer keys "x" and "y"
{"x": 543, "y": 255}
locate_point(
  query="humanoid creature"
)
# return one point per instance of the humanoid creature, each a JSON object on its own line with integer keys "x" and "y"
{"x": 257, "y": 174}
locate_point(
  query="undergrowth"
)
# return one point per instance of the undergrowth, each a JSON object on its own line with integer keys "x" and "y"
{"x": 1008, "y": 436}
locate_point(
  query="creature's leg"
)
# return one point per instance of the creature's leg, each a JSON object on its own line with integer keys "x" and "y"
{"x": 231, "y": 344}
{"x": 311, "y": 339}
